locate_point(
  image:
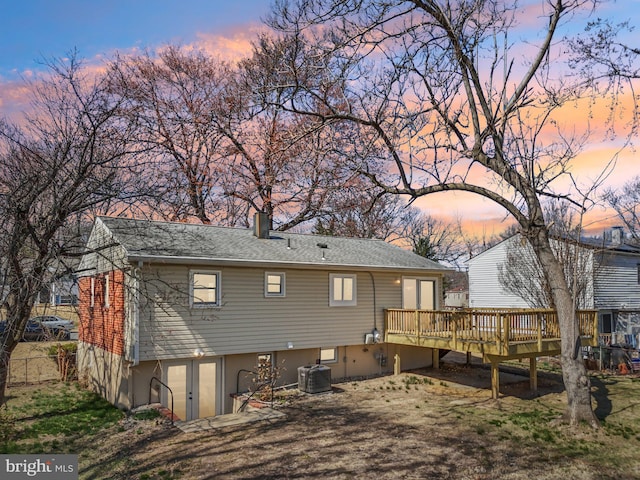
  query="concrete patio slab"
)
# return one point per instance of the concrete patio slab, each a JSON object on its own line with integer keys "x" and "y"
{"x": 231, "y": 420}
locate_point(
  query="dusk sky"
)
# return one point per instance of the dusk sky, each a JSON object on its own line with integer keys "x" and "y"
{"x": 31, "y": 30}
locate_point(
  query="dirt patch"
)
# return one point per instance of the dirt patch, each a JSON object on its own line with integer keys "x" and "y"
{"x": 427, "y": 424}
{"x": 424, "y": 424}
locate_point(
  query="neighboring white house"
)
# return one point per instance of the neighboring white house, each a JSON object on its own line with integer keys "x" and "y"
{"x": 610, "y": 273}
{"x": 457, "y": 297}
{"x": 61, "y": 291}
{"x": 197, "y": 306}
{"x": 456, "y": 294}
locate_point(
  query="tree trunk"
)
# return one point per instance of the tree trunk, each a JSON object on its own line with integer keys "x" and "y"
{"x": 5, "y": 355}
{"x": 19, "y": 305}
{"x": 574, "y": 373}
{"x": 6, "y": 349}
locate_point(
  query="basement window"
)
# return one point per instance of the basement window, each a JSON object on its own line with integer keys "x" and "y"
{"x": 328, "y": 355}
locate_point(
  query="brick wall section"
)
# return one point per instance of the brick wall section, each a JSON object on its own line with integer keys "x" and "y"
{"x": 100, "y": 325}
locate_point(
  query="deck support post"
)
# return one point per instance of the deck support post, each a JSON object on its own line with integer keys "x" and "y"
{"x": 495, "y": 379}
{"x": 468, "y": 359}
{"x": 396, "y": 365}
{"x": 435, "y": 357}
{"x": 539, "y": 317}
{"x": 533, "y": 374}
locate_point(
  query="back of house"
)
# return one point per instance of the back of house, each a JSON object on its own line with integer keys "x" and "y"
{"x": 194, "y": 312}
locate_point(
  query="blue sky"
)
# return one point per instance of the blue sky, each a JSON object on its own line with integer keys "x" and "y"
{"x": 34, "y": 29}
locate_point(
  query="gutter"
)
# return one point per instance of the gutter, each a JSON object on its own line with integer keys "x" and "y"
{"x": 180, "y": 260}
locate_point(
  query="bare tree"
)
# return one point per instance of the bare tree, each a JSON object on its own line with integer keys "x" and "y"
{"x": 456, "y": 105}
{"x": 358, "y": 210}
{"x": 68, "y": 156}
{"x": 281, "y": 163}
{"x": 521, "y": 273}
{"x": 626, "y": 203}
{"x": 171, "y": 102}
{"x": 440, "y": 240}
{"x": 220, "y": 151}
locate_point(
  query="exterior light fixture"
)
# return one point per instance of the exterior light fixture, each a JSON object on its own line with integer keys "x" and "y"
{"x": 198, "y": 353}
{"x": 289, "y": 345}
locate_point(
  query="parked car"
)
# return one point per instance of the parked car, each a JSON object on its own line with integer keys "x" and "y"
{"x": 53, "y": 321}
{"x": 47, "y": 327}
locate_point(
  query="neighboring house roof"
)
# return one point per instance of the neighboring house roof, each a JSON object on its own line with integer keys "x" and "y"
{"x": 586, "y": 242}
{"x": 457, "y": 290}
{"x": 598, "y": 243}
{"x": 154, "y": 241}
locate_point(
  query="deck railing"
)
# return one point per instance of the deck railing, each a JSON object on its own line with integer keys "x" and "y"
{"x": 499, "y": 326}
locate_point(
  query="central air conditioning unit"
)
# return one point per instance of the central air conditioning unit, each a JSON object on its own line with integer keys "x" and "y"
{"x": 314, "y": 379}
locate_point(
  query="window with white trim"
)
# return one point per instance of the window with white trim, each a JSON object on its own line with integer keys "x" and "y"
{"x": 92, "y": 292}
{"x": 205, "y": 289}
{"x": 419, "y": 293}
{"x": 342, "y": 290}
{"x": 328, "y": 355}
{"x": 106, "y": 291}
{"x": 274, "y": 284}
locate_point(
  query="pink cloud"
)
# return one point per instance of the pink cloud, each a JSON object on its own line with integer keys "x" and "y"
{"x": 14, "y": 98}
{"x": 232, "y": 46}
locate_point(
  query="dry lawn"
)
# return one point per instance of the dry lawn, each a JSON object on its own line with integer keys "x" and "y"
{"x": 422, "y": 425}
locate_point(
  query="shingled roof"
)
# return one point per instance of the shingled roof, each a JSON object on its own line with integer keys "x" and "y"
{"x": 168, "y": 242}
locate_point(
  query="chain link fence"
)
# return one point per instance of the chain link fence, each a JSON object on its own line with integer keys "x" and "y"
{"x": 40, "y": 369}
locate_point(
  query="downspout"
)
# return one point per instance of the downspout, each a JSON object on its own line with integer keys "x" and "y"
{"x": 375, "y": 318}
{"x": 375, "y": 309}
{"x": 136, "y": 315}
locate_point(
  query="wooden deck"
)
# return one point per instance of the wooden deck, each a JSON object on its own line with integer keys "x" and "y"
{"x": 495, "y": 334}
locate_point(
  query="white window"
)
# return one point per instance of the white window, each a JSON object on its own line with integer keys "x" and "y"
{"x": 92, "y": 294}
{"x": 328, "y": 355}
{"x": 205, "y": 289}
{"x": 342, "y": 290}
{"x": 419, "y": 293}
{"x": 274, "y": 285}
{"x": 106, "y": 291}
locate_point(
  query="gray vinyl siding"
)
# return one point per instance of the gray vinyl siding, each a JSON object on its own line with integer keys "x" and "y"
{"x": 248, "y": 322}
{"x": 104, "y": 253}
{"x": 616, "y": 285}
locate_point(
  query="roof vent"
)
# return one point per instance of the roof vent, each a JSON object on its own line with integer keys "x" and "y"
{"x": 261, "y": 225}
